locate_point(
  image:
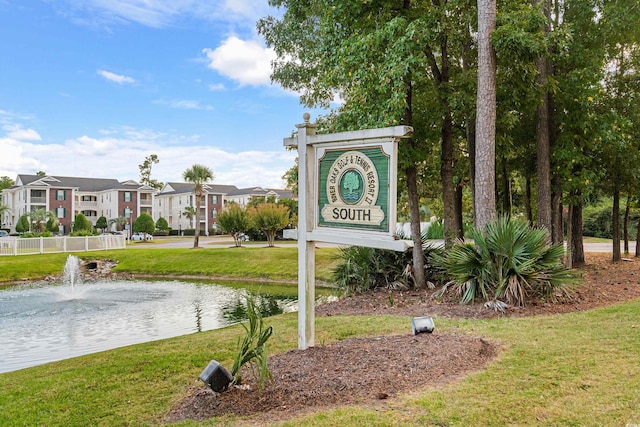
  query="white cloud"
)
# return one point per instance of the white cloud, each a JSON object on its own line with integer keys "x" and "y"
{"x": 163, "y": 13}
{"x": 116, "y": 153}
{"x": 216, "y": 87}
{"x": 116, "y": 78}
{"x": 16, "y": 132}
{"x": 184, "y": 104}
{"x": 244, "y": 61}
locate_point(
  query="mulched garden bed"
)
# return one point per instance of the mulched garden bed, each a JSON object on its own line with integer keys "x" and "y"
{"x": 369, "y": 370}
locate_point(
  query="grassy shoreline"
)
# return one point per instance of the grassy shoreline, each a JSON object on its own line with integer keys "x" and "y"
{"x": 572, "y": 369}
{"x": 250, "y": 263}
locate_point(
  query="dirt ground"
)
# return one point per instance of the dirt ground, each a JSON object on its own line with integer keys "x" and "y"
{"x": 369, "y": 370}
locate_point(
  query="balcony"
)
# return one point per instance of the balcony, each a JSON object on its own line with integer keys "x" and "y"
{"x": 38, "y": 200}
{"x": 146, "y": 201}
{"x": 87, "y": 204}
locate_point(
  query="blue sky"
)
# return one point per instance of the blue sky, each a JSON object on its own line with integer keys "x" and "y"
{"x": 92, "y": 87}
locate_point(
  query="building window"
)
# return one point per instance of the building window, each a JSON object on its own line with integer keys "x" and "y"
{"x": 127, "y": 196}
{"x": 61, "y": 195}
{"x": 214, "y": 199}
{"x": 214, "y": 213}
{"x": 60, "y": 212}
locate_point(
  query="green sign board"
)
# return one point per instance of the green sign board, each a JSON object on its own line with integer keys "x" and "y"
{"x": 353, "y": 188}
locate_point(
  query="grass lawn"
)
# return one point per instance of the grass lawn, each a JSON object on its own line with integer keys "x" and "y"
{"x": 578, "y": 369}
{"x": 575, "y": 369}
{"x": 245, "y": 262}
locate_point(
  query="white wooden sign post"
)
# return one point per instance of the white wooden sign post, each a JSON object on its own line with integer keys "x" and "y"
{"x": 347, "y": 188}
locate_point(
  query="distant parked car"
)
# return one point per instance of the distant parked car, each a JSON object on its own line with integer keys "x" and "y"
{"x": 3, "y": 233}
{"x": 141, "y": 236}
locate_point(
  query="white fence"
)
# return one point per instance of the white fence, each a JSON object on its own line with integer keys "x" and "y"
{"x": 41, "y": 245}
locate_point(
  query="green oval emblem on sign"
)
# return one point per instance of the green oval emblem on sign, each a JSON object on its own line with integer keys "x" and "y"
{"x": 351, "y": 187}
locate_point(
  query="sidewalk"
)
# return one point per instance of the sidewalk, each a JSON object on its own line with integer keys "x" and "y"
{"x": 223, "y": 241}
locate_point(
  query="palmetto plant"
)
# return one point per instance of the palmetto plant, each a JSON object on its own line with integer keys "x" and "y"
{"x": 361, "y": 268}
{"x": 509, "y": 261}
{"x": 252, "y": 348}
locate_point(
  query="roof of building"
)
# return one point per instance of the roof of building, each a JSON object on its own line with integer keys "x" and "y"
{"x": 81, "y": 183}
{"x": 187, "y": 188}
{"x": 261, "y": 191}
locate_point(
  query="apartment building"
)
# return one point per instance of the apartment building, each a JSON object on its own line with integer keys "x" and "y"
{"x": 243, "y": 196}
{"x": 68, "y": 196}
{"x": 175, "y": 198}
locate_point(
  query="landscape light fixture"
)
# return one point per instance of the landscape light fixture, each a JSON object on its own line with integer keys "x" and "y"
{"x": 422, "y": 324}
{"x": 216, "y": 376}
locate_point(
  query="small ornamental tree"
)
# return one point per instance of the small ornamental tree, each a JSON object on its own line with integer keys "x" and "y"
{"x": 81, "y": 225}
{"x": 144, "y": 224}
{"x": 22, "y": 226}
{"x": 269, "y": 218}
{"x": 101, "y": 223}
{"x": 162, "y": 224}
{"x": 234, "y": 220}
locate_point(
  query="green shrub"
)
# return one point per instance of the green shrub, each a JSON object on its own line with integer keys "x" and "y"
{"x": 144, "y": 224}
{"x": 597, "y": 220}
{"x": 360, "y": 268}
{"x": 435, "y": 230}
{"x": 162, "y": 224}
{"x": 81, "y": 223}
{"x": 507, "y": 261}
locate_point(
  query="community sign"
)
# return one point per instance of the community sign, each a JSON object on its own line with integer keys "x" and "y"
{"x": 354, "y": 187}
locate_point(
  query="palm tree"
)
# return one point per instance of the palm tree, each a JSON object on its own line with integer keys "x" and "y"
{"x": 198, "y": 175}
{"x": 4, "y": 209}
{"x": 38, "y": 217}
{"x": 119, "y": 222}
{"x": 190, "y": 214}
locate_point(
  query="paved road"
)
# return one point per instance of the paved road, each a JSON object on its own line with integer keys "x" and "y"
{"x": 226, "y": 241}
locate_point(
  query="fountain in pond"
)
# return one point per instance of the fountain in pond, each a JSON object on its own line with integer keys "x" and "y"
{"x": 44, "y": 322}
{"x": 72, "y": 277}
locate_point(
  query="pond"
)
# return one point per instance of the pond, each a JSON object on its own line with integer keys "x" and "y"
{"x": 44, "y": 323}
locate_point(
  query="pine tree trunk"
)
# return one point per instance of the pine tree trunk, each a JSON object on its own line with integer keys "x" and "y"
{"x": 414, "y": 200}
{"x": 416, "y": 234}
{"x": 577, "y": 242}
{"x": 470, "y": 129}
{"x": 446, "y": 176}
{"x": 625, "y": 228}
{"x": 638, "y": 239}
{"x": 458, "y": 212}
{"x": 505, "y": 187}
{"x": 485, "y": 159}
{"x": 568, "y": 260}
{"x": 557, "y": 222}
{"x": 616, "y": 225}
{"x": 529, "y": 211}
{"x": 543, "y": 149}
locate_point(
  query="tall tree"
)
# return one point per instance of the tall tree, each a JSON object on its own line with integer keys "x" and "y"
{"x": 543, "y": 145}
{"x": 485, "y": 181}
{"x": 391, "y": 63}
{"x": 5, "y": 182}
{"x": 145, "y": 172}
{"x": 198, "y": 175}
